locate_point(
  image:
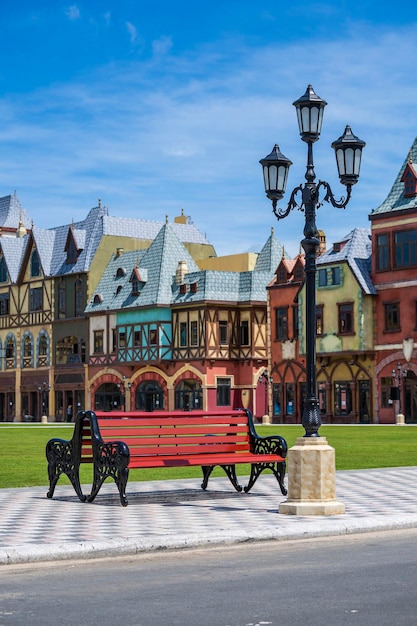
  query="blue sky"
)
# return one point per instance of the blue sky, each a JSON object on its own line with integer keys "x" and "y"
{"x": 154, "y": 106}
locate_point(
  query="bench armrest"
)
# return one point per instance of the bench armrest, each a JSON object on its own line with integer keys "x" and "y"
{"x": 274, "y": 444}
{"x": 112, "y": 454}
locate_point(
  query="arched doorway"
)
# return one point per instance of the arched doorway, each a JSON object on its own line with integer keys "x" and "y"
{"x": 188, "y": 395}
{"x": 108, "y": 398}
{"x": 149, "y": 396}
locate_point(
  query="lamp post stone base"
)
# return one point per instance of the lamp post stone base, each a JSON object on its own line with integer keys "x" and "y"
{"x": 311, "y": 479}
{"x": 399, "y": 419}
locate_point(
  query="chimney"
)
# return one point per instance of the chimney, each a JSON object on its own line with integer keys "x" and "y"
{"x": 181, "y": 272}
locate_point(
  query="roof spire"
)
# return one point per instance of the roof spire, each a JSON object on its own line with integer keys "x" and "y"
{"x": 21, "y": 230}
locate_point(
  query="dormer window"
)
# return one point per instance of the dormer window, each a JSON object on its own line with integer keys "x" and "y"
{"x": 299, "y": 272}
{"x": 72, "y": 252}
{"x": 3, "y": 270}
{"x": 183, "y": 288}
{"x": 282, "y": 274}
{"x": 409, "y": 178}
{"x": 120, "y": 272}
{"x": 138, "y": 280}
{"x": 135, "y": 286}
{"x": 193, "y": 287}
{"x": 98, "y": 299}
{"x": 35, "y": 264}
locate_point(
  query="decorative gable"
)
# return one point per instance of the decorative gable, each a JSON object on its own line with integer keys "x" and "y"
{"x": 138, "y": 278}
{"x": 282, "y": 273}
{"x": 298, "y": 270}
{"x": 409, "y": 178}
{"x": 71, "y": 247}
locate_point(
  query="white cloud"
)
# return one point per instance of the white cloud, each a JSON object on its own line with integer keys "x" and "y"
{"x": 73, "y": 12}
{"x": 154, "y": 136}
{"x": 133, "y": 33}
{"x": 162, "y": 45}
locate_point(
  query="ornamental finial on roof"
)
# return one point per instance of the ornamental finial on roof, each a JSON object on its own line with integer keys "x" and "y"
{"x": 99, "y": 203}
{"x": 283, "y": 253}
{"x": 272, "y": 231}
{"x": 166, "y": 219}
{"x": 21, "y": 230}
{"x": 72, "y": 224}
{"x": 410, "y": 157}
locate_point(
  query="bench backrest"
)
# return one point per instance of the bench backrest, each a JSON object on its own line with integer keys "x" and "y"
{"x": 169, "y": 433}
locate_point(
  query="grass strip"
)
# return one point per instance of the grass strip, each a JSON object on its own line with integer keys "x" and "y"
{"x": 23, "y": 462}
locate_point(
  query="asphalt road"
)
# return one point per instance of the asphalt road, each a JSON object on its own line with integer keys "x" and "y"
{"x": 368, "y": 579}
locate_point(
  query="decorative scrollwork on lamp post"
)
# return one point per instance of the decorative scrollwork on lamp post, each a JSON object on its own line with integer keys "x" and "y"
{"x": 348, "y": 150}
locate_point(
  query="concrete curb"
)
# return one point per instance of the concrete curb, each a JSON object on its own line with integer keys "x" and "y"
{"x": 25, "y": 554}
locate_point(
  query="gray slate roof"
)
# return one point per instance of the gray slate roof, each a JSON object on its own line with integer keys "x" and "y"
{"x": 147, "y": 229}
{"x": 270, "y": 255}
{"x": 157, "y": 266}
{"x": 357, "y": 252}
{"x": 11, "y": 212}
{"x": 395, "y": 200}
{"x": 246, "y": 286}
{"x": 86, "y": 233}
{"x": 13, "y": 250}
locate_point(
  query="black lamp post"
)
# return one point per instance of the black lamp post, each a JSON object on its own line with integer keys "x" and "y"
{"x": 399, "y": 374}
{"x": 126, "y": 386}
{"x": 265, "y": 380}
{"x": 348, "y": 149}
{"x": 44, "y": 389}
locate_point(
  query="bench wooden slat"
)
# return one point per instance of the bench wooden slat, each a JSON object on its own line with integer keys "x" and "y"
{"x": 189, "y": 449}
{"x": 168, "y": 421}
{"x": 111, "y": 433}
{"x": 168, "y": 440}
{"x": 183, "y": 461}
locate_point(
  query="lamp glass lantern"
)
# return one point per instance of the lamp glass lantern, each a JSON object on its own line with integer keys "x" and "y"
{"x": 348, "y": 149}
{"x": 275, "y": 168}
{"x": 310, "y": 108}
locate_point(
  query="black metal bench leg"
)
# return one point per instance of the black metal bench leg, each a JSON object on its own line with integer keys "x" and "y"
{"x": 121, "y": 482}
{"x": 256, "y": 470}
{"x": 207, "y": 469}
{"x": 53, "y": 479}
{"x": 231, "y": 474}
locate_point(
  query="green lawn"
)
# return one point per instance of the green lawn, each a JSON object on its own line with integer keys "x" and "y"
{"x": 23, "y": 461}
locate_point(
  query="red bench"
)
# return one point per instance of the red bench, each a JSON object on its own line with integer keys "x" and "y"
{"x": 116, "y": 442}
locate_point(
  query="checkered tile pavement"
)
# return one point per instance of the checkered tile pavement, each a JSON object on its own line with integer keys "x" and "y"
{"x": 177, "y": 513}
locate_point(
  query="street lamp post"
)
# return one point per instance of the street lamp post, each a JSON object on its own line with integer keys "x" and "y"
{"x": 348, "y": 149}
{"x": 123, "y": 387}
{"x": 44, "y": 390}
{"x": 307, "y": 495}
{"x": 400, "y": 374}
{"x": 265, "y": 379}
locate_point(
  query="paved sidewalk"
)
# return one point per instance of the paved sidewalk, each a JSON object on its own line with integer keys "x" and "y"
{"x": 177, "y": 514}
